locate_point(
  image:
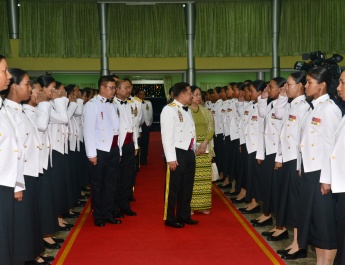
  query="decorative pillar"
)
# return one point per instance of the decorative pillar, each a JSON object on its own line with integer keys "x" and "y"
{"x": 190, "y": 31}
{"x": 276, "y": 11}
{"x": 260, "y": 75}
{"x": 13, "y": 18}
{"x": 103, "y": 15}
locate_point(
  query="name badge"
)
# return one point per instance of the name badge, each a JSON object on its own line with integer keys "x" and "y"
{"x": 223, "y": 110}
{"x": 292, "y": 118}
{"x": 229, "y": 110}
{"x": 273, "y": 116}
{"x": 316, "y": 121}
{"x": 213, "y": 112}
{"x": 147, "y": 107}
{"x": 246, "y": 112}
{"x": 254, "y": 118}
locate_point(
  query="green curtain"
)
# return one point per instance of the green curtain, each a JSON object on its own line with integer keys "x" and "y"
{"x": 234, "y": 28}
{"x": 5, "y": 46}
{"x": 146, "y": 31}
{"x": 59, "y": 29}
{"x": 167, "y": 85}
{"x": 312, "y": 25}
{"x": 83, "y": 85}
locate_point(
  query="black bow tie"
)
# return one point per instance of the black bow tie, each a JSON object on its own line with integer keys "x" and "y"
{"x": 109, "y": 100}
{"x": 311, "y": 105}
{"x": 143, "y": 102}
{"x": 123, "y": 102}
{"x": 185, "y": 108}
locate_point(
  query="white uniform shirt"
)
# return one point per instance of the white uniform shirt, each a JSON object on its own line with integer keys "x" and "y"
{"x": 318, "y": 134}
{"x": 11, "y": 152}
{"x": 40, "y": 116}
{"x": 292, "y": 115}
{"x": 234, "y": 120}
{"x": 57, "y": 121}
{"x": 127, "y": 123}
{"x": 177, "y": 129}
{"x": 101, "y": 123}
{"x": 243, "y": 109}
{"x": 252, "y": 131}
{"x": 208, "y": 105}
{"x": 29, "y": 137}
{"x": 335, "y": 175}
{"x": 226, "y": 116}
{"x": 217, "y": 115}
{"x": 147, "y": 112}
{"x": 78, "y": 115}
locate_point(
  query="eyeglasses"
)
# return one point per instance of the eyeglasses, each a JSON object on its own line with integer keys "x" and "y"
{"x": 111, "y": 87}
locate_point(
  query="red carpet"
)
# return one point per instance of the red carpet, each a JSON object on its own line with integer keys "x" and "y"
{"x": 221, "y": 237}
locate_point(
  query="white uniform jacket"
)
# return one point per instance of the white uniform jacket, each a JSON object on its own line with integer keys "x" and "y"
{"x": 318, "y": 135}
{"x": 243, "y": 109}
{"x": 101, "y": 123}
{"x": 29, "y": 136}
{"x": 208, "y": 105}
{"x": 177, "y": 129}
{"x": 226, "y": 116}
{"x": 272, "y": 126}
{"x": 137, "y": 113}
{"x": 78, "y": 115}
{"x": 57, "y": 121}
{"x": 335, "y": 175}
{"x": 217, "y": 115}
{"x": 11, "y": 152}
{"x": 234, "y": 120}
{"x": 125, "y": 112}
{"x": 70, "y": 127}
{"x": 147, "y": 112}
{"x": 252, "y": 131}
{"x": 292, "y": 115}
{"x": 40, "y": 116}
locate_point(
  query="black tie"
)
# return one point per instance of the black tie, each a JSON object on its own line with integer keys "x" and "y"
{"x": 143, "y": 102}
{"x": 185, "y": 108}
{"x": 123, "y": 102}
{"x": 109, "y": 100}
{"x": 311, "y": 105}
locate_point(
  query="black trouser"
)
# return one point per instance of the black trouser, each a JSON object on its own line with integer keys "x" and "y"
{"x": 181, "y": 186}
{"x": 219, "y": 149}
{"x": 145, "y": 138}
{"x": 104, "y": 182}
{"x": 127, "y": 177}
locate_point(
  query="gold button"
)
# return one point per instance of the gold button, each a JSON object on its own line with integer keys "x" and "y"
{"x": 102, "y": 141}
{"x": 0, "y": 134}
{"x": 289, "y": 147}
{"x": 15, "y": 150}
{"x": 312, "y": 131}
{"x": 27, "y": 133}
{"x": 25, "y": 146}
{"x": 302, "y": 145}
{"x": 25, "y": 160}
{"x": 313, "y": 158}
{"x": 288, "y": 136}
{"x": 333, "y": 157}
{"x": 37, "y": 147}
{"x": 58, "y": 140}
{"x": 273, "y": 133}
{"x": 312, "y": 144}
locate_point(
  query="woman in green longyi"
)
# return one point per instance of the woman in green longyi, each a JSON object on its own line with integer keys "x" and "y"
{"x": 204, "y": 126}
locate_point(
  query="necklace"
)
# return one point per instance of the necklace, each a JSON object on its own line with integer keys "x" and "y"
{"x": 195, "y": 111}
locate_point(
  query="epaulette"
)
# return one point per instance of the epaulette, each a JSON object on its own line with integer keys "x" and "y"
{"x": 172, "y": 104}
{"x": 330, "y": 101}
{"x": 130, "y": 101}
{"x": 137, "y": 99}
{"x": 90, "y": 100}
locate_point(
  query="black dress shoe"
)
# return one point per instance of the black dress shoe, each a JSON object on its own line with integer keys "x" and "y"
{"x": 254, "y": 221}
{"x": 284, "y": 235}
{"x": 173, "y": 224}
{"x": 128, "y": 212}
{"x": 227, "y": 186}
{"x": 242, "y": 209}
{"x": 228, "y": 193}
{"x": 47, "y": 258}
{"x": 64, "y": 228}
{"x": 188, "y": 221}
{"x": 113, "y": 221}
{"x": 99, "y": 222}
{"x": 84, "y": 196}
{"x": 300, "y": 254}
{"x": 269, "y": 221}
{"x": 256, "y": 209}
{"x": 267, "y": 233}
{"x": 80, "y": 204}
{"x": 72, "y": 215}
{"x": 283, "y": 251}
{"x": 58, "y": 240}
{"x": 118, "y": 215}
{"x": 51, "y": 246}
{"x": 85, "y": 189}
{"x": 220, "y": 180}
{"x": 238, "y": 201}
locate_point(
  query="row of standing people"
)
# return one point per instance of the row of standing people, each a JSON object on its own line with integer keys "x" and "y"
{"x": 278, "y": 143}
{"x": 44, "y": 163}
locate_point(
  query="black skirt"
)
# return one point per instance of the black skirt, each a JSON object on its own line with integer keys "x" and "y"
{"x": 254, "y": 179}
{"x": 219, "y": 149}
{"x": 83, "y": 165}
{"x": 28, "y": 243}
{"x": 289, "y": 195}
{"x": 341, "y": 228}
{"x": 6, "y": 224}
{"x": 59, "y": 183}
{"x": 241, "y": 181}
{"x": 270, "y": 185}
{"x": 226, "y": 157}
{"x": 317, "y": 214}
{"x": 234, "y": 162}
{"x": 48, "y": 214}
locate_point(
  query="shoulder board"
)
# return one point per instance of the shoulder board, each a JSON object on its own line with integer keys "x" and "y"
{"x": 130, "y": 101}
{"x": 137, "y": 99}
{"x": 330, "y": 101}
{"x": 172, "y": 104}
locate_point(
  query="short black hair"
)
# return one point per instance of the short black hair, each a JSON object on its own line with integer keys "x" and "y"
{"x": 45, "y": 80}
{"x": 280, "y": 81}
{"x": 259, "y": 85}
{"x": 218, "y": 89}
{"x": 193, "y": 88}
{"x": 180, "y": 87}
{"x": 87, "y": 91}
{"x": 105, "y": 79}
{"x": 299, "y": 77}
{"x": 33, "y": 83}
